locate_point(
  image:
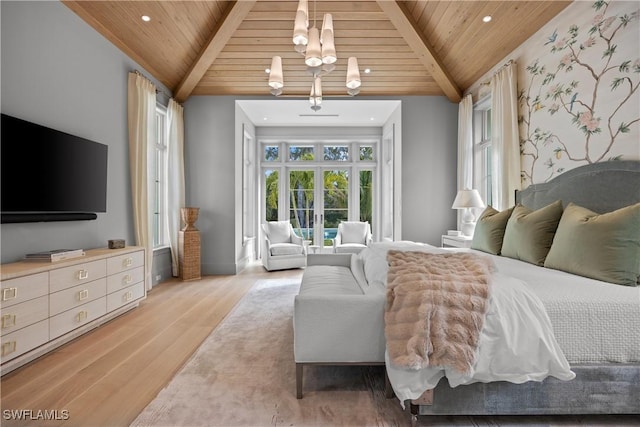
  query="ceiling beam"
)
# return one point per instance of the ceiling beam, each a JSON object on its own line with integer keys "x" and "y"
{"x": 227, "y": 25}
{"x": 408, "y": 29}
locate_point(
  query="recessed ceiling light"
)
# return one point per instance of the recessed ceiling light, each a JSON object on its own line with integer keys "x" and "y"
{"x": 264, "y": 118}
{"x": 367, "y": 70}
{"x": 145, "y": 18}
{"x": 486, "y": 18}
{"x": 371, "y": 118}
{"x": 267, "y": 70}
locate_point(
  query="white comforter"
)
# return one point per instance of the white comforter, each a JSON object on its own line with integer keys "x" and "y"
{"x": 517, "y": 343}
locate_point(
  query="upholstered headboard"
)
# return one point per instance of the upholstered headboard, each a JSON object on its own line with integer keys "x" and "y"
{"x": 600, "y": 187}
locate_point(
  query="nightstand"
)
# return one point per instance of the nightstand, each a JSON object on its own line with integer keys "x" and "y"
{"x": 456, "y": 241}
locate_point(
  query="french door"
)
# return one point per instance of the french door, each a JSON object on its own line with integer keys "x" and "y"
{"x": 318, "y": 201}
{"x": 317, "y": 185}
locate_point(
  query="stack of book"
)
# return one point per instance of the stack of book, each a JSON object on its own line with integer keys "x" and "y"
{"x": 55, "y": 255}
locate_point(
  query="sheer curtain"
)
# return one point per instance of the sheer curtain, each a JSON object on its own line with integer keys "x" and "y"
{"x": 505, "y": 143}
{"x": 141, "y": 120}
{"x": 465, "y": 146}
{"x": 175, "y": 177}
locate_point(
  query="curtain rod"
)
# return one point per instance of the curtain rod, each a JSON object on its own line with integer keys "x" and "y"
{"x": 506, "y": 64}
{"x": 157, "y": 90}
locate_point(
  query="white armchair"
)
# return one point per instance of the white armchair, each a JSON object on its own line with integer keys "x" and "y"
{"x": 281, "y": 247}
{"x": 352, "y": 237}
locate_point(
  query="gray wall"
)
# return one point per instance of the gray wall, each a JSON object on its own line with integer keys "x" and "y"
{"x": 59, "y": 72}
{"x": 429, "y": 147}
{"x": 429, "y": 180}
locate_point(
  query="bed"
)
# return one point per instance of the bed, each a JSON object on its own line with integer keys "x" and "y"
{"x": 596, "y": 323}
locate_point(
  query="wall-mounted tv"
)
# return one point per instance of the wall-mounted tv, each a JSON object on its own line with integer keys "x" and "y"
{"x": 48, "y": 175}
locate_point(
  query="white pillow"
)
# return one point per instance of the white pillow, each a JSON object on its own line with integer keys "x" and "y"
{"x": 278, "y": 232}
{"x": 354, "y": 231}
{"x": 374, "y": 258}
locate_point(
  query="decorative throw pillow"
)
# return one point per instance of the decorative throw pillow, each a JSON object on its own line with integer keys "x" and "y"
{"x": 354, "y": 231}
{"x": 529, "y": 234}
{"x": 278, "y": 232}
{"x": 489, "y": 231}
{"x": 600, "y": 246}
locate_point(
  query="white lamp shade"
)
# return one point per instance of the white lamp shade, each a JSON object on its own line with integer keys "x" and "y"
{"x": 313, "y": 57}
{"x": 315, "y": 97}
{"x": 304, "y": 8}
{"x": 276, "y": 78}
{"x": 353, "y": 74}
{"x": 468, "y": 199}
{"x": 327, "y": 25}
{"x": 300, "y": 34}
{"x": 329, "y": 55}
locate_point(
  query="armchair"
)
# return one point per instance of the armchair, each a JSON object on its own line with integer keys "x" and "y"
{"x": 281, "y": 247}
{"x": 352, "y": 237}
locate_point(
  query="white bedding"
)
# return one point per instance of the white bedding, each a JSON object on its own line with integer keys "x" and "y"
{"x": 594, "y": 322}
{"x": 517, "y": 343}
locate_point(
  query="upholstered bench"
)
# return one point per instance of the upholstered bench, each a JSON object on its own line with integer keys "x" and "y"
{"x": 338, "y": 318}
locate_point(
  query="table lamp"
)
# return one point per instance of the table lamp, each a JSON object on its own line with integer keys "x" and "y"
{"x": 467, "y": 200}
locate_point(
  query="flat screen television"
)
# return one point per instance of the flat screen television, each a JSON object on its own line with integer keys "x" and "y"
{"x": 48, "y": 175}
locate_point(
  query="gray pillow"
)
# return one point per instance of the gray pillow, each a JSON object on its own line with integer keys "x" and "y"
{"x": 529, "y": 234}
{"x": 489, "y": 231}
{"x": 603, "y": 247}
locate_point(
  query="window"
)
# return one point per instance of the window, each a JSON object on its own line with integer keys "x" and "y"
{"x": 318, "y": 184}
{"x": 158, "y": 175}
{"x": 482, "y": 150}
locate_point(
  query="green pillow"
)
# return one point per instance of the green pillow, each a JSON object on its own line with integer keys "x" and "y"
{"x": 529, "y": 234}
{"x": 489, "y": 231}
{"x": 600, "y": 246}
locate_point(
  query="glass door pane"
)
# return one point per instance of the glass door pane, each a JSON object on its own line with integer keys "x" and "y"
{"x": 271, "y": 195}
{"x": 366, "y": 196}
{"x": 336, "y": 201}
{"x": 301, "y": 202}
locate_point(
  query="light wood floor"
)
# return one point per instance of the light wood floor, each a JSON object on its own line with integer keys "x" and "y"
{"x": 107, "y": 376}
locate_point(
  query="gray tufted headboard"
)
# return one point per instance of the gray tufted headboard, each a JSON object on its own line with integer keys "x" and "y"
{"x": 600, "y": 187}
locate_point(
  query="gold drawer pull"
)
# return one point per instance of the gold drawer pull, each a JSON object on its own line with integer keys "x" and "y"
{"x": 83, "y": 294}
{"x": 126, "y": 279}
{"x": 82, "y": 316}
{"x": 128, "y": 296}
{"x": 127, "y": 262}
{"x": 83, "y": 274}
{"x": 8, "y": 320}
{"x": 9, "y": 293}
{"x": 8, "y": 347}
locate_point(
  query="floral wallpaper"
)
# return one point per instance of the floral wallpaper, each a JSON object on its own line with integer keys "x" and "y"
{"x": 578, "y": 82}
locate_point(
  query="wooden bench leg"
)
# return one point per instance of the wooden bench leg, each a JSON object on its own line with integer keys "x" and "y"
{"x": 299, "y": 380}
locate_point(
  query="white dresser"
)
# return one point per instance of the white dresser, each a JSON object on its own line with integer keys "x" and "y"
{"x": 46, "y": 304}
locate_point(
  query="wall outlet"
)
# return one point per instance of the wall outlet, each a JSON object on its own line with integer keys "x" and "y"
{"x": 158, "y": 277}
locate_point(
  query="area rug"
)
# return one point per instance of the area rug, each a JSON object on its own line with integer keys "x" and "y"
{"x": 244, "y": 375}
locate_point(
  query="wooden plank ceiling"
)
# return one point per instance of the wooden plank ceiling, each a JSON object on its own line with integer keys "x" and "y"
{"x": 412, "y": 47}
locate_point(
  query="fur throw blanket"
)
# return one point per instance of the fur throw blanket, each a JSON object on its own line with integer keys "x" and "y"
{"x": 436, "y": 306}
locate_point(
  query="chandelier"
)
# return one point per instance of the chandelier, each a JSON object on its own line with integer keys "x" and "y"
{"x": 319, "y": 53}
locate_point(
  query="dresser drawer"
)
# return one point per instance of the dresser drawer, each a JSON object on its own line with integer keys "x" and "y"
{"x": 23, "y": 340}
{"x": 125, "y": 296}
{"x": 24, "y": 314}
{"x": 125, "y": 262}
{"x": 76, "y": 296}
{"x": 123, "y": 279}
{"x": 76, "y": 317}
{"x": 67, "y": 277}
{"x": 21, "y": 289}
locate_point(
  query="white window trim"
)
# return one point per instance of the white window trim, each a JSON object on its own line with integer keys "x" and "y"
{"x": 160, "y": 237}
{"x": 480, "y": 144}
